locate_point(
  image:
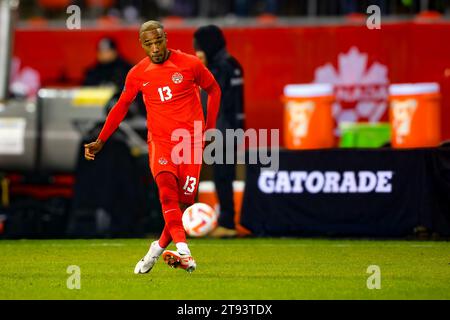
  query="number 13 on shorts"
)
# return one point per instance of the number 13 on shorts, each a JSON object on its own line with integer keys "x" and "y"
{"x": 190, "y": 183}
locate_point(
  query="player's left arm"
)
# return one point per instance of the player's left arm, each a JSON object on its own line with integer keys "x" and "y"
{"x": 207, "y": 82}
{"x": 214, "y": 95}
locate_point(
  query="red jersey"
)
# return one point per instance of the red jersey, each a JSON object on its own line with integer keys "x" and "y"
{"x": 171, "y": 95}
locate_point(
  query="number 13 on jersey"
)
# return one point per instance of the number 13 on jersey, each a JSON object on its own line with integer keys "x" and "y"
{"x": 165, "y": 93}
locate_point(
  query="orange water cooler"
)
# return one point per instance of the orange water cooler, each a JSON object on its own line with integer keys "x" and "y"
{"x": 414, "y": 114}
{"x": 308, "y": 120}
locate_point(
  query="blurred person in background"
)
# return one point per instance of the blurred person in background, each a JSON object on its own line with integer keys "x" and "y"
{"x": 184, "y": 8}
{"x": 210, "y": 47}
{"x": 110, "y": 69}
{"x": 245, "y": 8}
{"x": 348, "y": 6}
{"x": 25, "y": 81}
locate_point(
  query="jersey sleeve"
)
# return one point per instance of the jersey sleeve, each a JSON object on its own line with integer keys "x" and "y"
{"x": 120, "y": 109}
{"x": 203, "y": 77}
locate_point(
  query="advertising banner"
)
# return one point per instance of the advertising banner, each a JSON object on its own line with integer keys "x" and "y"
{"x": 360, "y": 192}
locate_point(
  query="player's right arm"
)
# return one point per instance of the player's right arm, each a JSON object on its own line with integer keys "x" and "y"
{"x": 115, "y": 116}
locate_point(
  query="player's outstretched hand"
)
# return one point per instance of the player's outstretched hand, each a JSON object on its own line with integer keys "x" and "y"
{"x": 91, "y": 149}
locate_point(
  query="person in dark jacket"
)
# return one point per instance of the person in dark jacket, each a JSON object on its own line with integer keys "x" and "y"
{"x": 110, "y": 69}
{"x": 210, "y": 47}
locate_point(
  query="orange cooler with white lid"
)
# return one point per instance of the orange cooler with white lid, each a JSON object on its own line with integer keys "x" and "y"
{"x": 414, "y": 114}
{"x": 308, "y": 121}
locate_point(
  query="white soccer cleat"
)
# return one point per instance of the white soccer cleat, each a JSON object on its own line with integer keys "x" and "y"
{"x": 148, "y": 261}
{"x": 176, "y": 260}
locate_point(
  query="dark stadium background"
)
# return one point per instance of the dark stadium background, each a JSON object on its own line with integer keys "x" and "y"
{"x": 277, "y": 42}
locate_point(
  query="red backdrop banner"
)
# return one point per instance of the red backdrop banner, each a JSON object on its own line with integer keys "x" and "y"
{"x": 361, "y": 62}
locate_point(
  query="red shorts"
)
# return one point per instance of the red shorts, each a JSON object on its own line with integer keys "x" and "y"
{"x": 187, "y": 172}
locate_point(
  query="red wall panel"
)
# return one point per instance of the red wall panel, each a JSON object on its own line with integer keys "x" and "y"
{"x": 271, "y": 57}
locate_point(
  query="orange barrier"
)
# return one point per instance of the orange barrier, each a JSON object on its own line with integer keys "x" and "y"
{"x": 414, "y": 114}
{"x": 37, "y": 22}
{"x": 100, "y": 3}
{"x": 54, "y": 4}
{"x": 207, "y": 194}
{"x": 308, "y": 119}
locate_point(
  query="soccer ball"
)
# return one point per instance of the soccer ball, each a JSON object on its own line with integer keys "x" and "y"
{"x": 199, "y": 220}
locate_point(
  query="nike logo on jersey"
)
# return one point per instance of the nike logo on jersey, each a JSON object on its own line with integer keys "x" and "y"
{"x": 146, "y": 83}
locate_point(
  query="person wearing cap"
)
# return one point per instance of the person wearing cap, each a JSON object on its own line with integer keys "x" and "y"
{"x": 110, "y": 69}
{"x": 210, "y": 48}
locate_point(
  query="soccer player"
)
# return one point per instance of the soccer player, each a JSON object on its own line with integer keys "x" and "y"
{"x": 169, "y": 81}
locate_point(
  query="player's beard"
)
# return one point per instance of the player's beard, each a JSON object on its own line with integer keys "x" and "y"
{"x": 157, "y": 59}
{"x": 161, "y": 58}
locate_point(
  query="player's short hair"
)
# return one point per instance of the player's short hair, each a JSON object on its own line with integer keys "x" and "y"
{"x": 151, "y": 25}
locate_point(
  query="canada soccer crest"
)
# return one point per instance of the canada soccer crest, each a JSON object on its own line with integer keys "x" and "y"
{"x": 177, "y": 78}
{"x": 361, "y": 89}
{"x": 162, "y": 161}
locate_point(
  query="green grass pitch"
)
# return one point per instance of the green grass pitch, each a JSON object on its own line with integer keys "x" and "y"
{"x": 227, "y": 269}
